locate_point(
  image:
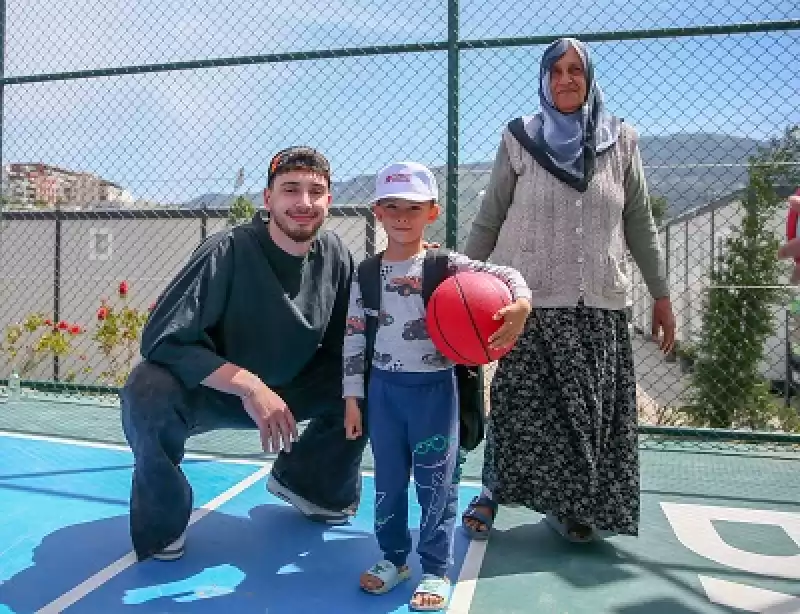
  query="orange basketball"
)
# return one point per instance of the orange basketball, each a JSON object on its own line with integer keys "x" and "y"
{"x": 459, "y": 317}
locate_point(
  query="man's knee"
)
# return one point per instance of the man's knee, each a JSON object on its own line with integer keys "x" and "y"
{"x": 147, "y": 396}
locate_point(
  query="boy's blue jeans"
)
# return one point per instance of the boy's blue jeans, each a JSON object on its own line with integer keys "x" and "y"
{"x": 159, "y": 414}
{"x": 413, "y": 425}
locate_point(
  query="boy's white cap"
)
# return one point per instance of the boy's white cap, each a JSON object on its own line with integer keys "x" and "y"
{"x": 407, "y": 180}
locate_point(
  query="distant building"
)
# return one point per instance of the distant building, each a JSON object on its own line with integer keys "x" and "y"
{"x": 36, "y": 184}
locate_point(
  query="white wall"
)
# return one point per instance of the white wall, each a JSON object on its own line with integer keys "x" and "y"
{"x": 145, "y": 253}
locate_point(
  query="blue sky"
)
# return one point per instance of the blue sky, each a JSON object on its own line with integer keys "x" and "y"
{"x": 174, "y": 136}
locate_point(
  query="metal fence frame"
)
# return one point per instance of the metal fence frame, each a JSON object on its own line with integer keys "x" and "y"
{"x": 454, "y": 45}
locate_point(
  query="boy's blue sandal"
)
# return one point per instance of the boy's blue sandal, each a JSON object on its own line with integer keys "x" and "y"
{"x": 473, "y": 513}
{"x": 436, "y": 587}
{"x": 386, "y": 572}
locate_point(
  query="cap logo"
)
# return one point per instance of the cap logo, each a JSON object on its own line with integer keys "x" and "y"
{"x": 398, "y": 178}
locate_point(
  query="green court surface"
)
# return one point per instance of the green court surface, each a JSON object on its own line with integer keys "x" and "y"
{"x": 720, "y": 527}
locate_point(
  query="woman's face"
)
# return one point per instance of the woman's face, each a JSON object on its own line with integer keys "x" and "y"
{"x": 568, "y": 82}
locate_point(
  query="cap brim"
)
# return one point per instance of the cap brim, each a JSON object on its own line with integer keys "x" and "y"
{"x": 416, "y": 198}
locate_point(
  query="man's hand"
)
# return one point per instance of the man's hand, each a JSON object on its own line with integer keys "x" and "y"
{"x": 514, "y": 317}
{"x": 352, "y": 419}
{"x": 272, "y": 416}
{"x": 664, "y": 321}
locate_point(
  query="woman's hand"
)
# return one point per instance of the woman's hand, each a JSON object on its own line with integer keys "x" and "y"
{"x": 663, "y": 329}
{"x": 514, "y": 317}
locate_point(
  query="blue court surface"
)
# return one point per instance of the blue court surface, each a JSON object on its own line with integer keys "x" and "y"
{"x": 65, "y": 546}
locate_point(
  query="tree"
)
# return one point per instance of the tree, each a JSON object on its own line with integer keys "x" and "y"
{"x": 728, "y": 389}
{"x": 660, "y": 208}
{"x": 242, "y": 210}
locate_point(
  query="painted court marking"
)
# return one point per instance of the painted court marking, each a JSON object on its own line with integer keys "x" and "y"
{"x": 462, "y": 594}
{"x": 104, "y": 575}
{"x": 81, "y": 443}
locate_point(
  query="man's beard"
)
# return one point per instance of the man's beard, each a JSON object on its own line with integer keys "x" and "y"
{"x": 298, "y": 235}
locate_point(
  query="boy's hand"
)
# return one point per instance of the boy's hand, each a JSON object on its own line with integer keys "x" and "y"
{"x": 352, "y": 419}
{"x": 514, "y": 316}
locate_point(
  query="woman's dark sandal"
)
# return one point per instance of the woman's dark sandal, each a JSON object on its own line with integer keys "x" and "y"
{"x": 472, "y": 513}
{"x": 569, "y": 530}
{"x": 573, "y": 531}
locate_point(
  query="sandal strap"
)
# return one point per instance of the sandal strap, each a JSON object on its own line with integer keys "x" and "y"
{"x": 479, "y": 516}
{"x": 384, "y": 570}
{"x": 482, "y": 501}
{"x": 434, "y": 585}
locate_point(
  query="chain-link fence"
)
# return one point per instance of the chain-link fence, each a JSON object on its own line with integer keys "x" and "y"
{"x": 131, "y": 131}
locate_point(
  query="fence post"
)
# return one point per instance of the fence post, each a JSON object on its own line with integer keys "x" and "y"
{"x": 451, "y": 205}
{"x": 2, "y": 109}
{"x": 787, "y": 381}
{"x": 57, "y": 284}
{"x": 369, "y": 241}
{"x": 713, "y": 244}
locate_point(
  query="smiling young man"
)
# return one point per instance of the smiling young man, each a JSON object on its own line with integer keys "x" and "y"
{"x": 249, "y": 333}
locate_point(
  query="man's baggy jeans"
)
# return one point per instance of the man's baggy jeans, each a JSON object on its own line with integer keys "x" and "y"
{"x": 159, "y": 414}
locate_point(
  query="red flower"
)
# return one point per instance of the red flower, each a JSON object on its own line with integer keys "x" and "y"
{"x": 63, "y": 325}
{"x": 102, "y": 313}
{"x": 48, "y": 322}
{"x": 75, "y": 330}
{"x": 123, "y": 288}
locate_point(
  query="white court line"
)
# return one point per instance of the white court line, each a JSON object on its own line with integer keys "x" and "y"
{"x": 464, "y": 590}
{"x": 104, "y": 575}
{"x": 121, "y": 447}
{"x": 188, "y": 456}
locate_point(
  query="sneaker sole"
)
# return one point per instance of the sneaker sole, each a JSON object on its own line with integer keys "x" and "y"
{"x": 305, "y": 507}
{"x": 170, "y": 555}
{"x": 172, "y": 552}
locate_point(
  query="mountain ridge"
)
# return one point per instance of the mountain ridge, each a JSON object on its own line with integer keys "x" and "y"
{"x": 687, "y": 169}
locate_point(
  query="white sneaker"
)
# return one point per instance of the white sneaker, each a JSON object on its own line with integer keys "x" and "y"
{"x": 172, "y": 552}
{"x": 308, "y": 509}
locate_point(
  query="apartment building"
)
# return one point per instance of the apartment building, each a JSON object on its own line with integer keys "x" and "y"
{"x": 45, "y": 185}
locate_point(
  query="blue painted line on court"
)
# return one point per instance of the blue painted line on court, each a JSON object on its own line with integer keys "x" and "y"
{"x": 64, "y": 512}
{"x": 68, "y": 520}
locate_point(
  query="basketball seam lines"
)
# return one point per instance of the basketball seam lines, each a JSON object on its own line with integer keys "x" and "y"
{"x": 439, "y": 328}
{"x": 472, "y": 320}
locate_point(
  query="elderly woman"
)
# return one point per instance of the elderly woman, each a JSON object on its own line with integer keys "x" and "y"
{"x": 567, "y": 196}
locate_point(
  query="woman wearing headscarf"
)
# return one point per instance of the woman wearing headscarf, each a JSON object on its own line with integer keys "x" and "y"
{"x": 567, "y": 196}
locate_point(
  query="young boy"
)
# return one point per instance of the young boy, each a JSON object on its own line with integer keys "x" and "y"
{"x": 413, "y": 419}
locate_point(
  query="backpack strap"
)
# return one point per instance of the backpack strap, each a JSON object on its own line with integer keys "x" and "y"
{"x": 369, "y": 281}
{"x": 434, "y": 271}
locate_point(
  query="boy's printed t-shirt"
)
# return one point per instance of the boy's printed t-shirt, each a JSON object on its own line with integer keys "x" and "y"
{"x": 402, "y": 342}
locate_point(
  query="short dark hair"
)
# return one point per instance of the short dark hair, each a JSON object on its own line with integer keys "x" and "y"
{"x": 298, "y": 158}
